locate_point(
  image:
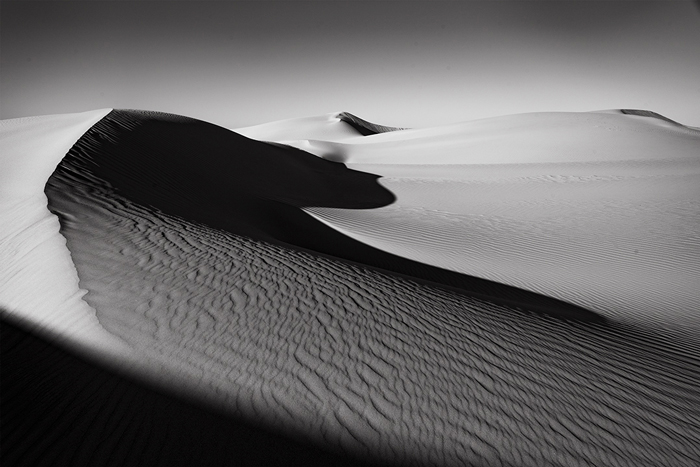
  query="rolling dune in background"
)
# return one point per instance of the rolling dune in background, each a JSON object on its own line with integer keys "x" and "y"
{"x": 424, "y": 303}
{"x": 599, "y": 209}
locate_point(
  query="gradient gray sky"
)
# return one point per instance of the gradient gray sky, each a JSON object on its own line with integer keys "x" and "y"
{"x": 394, "y": 62}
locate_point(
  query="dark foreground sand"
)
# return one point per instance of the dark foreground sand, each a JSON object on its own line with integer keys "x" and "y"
{"x": 60, "y": 407}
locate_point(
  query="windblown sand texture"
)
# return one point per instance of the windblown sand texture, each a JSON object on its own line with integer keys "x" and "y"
{"x": 512, "y": 291}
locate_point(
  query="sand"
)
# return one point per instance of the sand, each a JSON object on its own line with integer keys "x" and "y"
{"x": 401, "y": 308}
{"x": 598, "y": 209}
{"x": 38, "y": 281}
{"x": 334, "y": 126}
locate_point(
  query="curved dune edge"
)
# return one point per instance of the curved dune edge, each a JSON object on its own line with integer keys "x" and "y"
{"x": 257, "y": 189}
{"x": 327, "y": 126}
{"x": 366, "y": 362}
{"x": 38, "y": 282}
{"x": 355, "y": 359}
{"x": 544, "y": 137}
{"x": 595, "y": 208}
{"x": 372, "y": 364}
{"x": 334, "y": 126}
{"x": 622, "y": 247}
{"x": 648, "y": 113}
{"x": 364, "y": 127}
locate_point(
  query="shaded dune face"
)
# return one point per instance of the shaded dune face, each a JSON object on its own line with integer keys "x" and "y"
{"x": 364, "y": 127}
{"x": 199, "y": 170}
{"x": 238, "y": 308}
{"x": 205, "y": 173}
{"x": 648, "y": 113}
{"x": 597, "y": 208}
{"x": 369, "y": 363}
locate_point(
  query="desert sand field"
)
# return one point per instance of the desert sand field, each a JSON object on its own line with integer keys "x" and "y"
{"x": 520, "y": 290}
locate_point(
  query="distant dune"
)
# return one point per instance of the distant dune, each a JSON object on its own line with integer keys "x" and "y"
{"x": 648, "y": 113}
{"x": 336, "y": 126}
{"x": 364, "y": 127}
{"x": 597, "y": 209}
{"x": 512, "y": 291}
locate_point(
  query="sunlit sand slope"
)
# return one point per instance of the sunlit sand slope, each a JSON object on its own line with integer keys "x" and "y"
{"x": 354, "y": 358}
{"x": 599, "y": 209}
{"x": 336, "y": 126}
{"x": 256, "y": 189}
{"x": 524, "y": 138}
{"x": 38, "y": 281}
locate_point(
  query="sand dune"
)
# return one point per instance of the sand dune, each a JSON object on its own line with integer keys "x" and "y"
{"x": 38, "y": 282}
{"x": 355, "y": 312}
{"x": 335, "y": 126}
{"x": 554, "y": 137}
{"x": 598, "y": 209}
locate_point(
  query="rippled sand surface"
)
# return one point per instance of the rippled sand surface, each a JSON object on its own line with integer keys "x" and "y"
{"x": 345, "y": 332}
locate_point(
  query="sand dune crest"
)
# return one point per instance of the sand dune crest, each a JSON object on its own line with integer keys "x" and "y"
{"x": 408, "y": 306}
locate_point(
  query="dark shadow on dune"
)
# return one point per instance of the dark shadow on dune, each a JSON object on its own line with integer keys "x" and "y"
{"x": 211, "y": 175}
{"x": 650, "y": 114}
{"x": 364, "y": 127}
{"x": 62, "y": 408}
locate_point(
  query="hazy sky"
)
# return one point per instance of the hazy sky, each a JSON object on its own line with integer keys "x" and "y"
{"x": 395, "y": 63}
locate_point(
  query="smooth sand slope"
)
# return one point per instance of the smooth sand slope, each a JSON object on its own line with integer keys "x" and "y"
{"x": 599, "y": 209}
{"x": 335, "y": 126}
{"x": 38, "y": 281}
{"x": 249, "y": 275}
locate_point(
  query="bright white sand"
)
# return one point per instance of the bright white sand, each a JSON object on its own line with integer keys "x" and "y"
{"x": 327, "y": 127}
{"x": 38, "y": 282}
{"x": 600, "y": 209}
{"x": 515, "y": 139}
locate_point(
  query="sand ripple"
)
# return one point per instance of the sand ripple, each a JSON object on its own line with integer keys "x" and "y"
{"x": 368, "y": 362}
